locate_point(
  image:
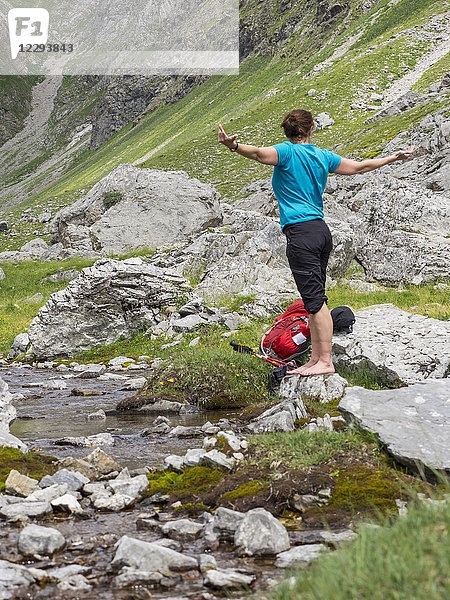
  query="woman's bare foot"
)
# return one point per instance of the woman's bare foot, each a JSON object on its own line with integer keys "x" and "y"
{"x": 300, "y": 370}
{"x": 320, "y": 368}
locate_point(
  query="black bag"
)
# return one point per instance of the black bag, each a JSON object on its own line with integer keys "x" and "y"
{"x": 343, "y": 319}
{"x": 276, "y": 377}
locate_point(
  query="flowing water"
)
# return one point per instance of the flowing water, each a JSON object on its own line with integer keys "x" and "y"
{"x": 48, "y": 415}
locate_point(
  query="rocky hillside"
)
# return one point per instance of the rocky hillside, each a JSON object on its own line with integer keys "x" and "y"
{"x": 367, "y": 54}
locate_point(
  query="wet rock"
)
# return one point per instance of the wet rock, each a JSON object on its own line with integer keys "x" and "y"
{"x": 35, "y": 540}
{"x": 72, "y": 479}
{"x": 324, "y": 388}
{"x": 67, "y": 503}
{"x": 99, "y": 415}
{"x": 133, "y": 486}
{"x": 227, "y": 579}
{"x": 94, "y": 465}
{"x": 183, "y": 529}
{"x": 173, "y": 462}
{"x": 99, "y": 439}
{"x": 86, "y": 393}
{"x": 225, "y": 523}
{"x": 20, "y": 485}
{"x": 135, "y": 384}
{"x": 111, "y": 502}
{"x": 193, "y": 457}
{"x": 169, "y": 543}
{"x": 261, "y": 533}
{"x": 147, "y": 556}
{"x": 94, "y": 488}
{"x": 412, "y": 422}
{"x": 281, "y": 417}
{"x": 48, "y": 494}
{"x": 25, "y": 509}
{"x": 206, "y": 562}
{"x": 385, "y": 343}
{"x": 184, "y": 432}
{"x": 13, "y": 575}
{"x": 90, "y": 371}
{"x": 61, "y": 573}
{"x": 217, "y": 460}
{"x": 300, "y": 555}
{"x": 129, "y": 576}
{"x": 8, "y": 414}
{"x": 74, "y": 583}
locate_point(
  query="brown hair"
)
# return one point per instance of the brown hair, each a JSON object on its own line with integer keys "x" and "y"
{"x": 297, "y": 123}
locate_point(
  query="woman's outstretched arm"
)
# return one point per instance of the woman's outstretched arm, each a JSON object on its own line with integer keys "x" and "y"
{"x": 266, "y": 156}
{"x": 348, "y": 166}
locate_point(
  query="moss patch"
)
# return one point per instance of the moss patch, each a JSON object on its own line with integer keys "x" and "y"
{"x": 187, "y": 485}
{"x": 208, "y": 377}
{"x": 250, "y": 488}
{"x": 359, "y": 490}
{"x": 31, "y": 464}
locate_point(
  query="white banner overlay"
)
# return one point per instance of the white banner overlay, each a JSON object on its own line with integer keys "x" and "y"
{"x": 109, "y": 37}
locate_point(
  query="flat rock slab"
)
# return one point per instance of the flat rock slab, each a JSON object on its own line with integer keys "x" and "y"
{"x": 413, "y": 422}
{"x": 395, "y": 346}
{"x": 300, "y": 555}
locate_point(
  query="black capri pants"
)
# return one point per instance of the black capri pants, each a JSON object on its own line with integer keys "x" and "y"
{"x": 309, "y": 244}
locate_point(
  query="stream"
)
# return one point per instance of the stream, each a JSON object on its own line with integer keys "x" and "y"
{"x": 46, "y": 415}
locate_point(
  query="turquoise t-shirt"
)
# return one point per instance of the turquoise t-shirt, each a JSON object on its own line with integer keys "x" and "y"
{"x": 299, "y": 180}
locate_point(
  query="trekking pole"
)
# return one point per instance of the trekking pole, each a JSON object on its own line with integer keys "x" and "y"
{"x": 273, "y": 361}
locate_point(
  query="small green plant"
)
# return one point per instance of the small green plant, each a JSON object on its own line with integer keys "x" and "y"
{"x": 111, "y": 198}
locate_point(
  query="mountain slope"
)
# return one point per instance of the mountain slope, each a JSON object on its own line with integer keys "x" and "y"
{"x": 360, "y": 54}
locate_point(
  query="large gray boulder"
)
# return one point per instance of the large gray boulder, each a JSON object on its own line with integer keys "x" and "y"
{"x": 133, "y": 207}
{"x": 7, "y": 415}
{"x": 412, "y": 422}
{"x": 108, "y": 300}
{"x": 260, "y": 533}
{"x": 148, "y": 556}
{"x": 42, "y": 541}
{"x": 395, "y": 346}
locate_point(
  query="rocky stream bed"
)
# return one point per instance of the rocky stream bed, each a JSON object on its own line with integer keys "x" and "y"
{"x": 106, "y": 550}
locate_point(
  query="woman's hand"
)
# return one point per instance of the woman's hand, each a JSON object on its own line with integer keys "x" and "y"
{"x": 404, "y": 154}
{"x": 227, "y": 140}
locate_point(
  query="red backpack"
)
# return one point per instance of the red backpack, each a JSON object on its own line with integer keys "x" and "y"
{"x": 289, "y": 333}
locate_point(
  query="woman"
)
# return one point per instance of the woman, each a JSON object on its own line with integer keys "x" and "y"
{"x": 299, "y": 178}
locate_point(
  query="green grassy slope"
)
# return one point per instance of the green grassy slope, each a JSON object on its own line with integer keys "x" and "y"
{"x": 186, "y": 130}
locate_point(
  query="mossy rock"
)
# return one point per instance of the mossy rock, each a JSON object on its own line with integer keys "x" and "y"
{"x": 32, "y": 464}
{"x": 187, "y": 485}
{"x": 223, "y": 446}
